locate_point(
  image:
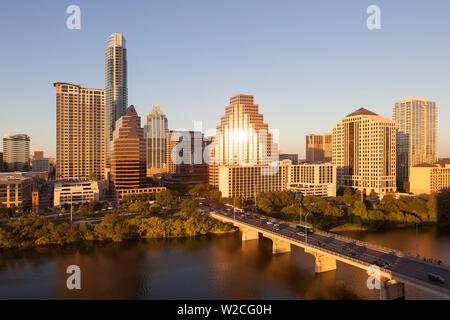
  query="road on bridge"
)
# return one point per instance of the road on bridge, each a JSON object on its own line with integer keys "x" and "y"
{"x": 402, "y": 267}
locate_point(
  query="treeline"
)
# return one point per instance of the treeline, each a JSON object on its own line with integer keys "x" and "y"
{"x": 31, "y": 231}
{"x": 349, "y": 208}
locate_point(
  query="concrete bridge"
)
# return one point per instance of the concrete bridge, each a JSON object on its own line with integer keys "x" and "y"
{"x": 328, "y": 247}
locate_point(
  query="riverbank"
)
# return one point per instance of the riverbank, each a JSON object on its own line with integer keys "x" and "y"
{"x": 350, "y": 227}
{"x": 33, "y": 231}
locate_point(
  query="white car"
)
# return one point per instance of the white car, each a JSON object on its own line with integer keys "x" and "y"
{"x": 269, "y": 222}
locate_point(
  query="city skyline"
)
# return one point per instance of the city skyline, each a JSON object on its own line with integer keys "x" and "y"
{"x": 281, "y": 87}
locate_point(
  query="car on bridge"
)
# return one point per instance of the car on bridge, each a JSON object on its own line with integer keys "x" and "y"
{"x": 436, "y": 278}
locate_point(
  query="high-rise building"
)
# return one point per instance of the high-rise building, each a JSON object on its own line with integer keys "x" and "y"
{"x": 16, "y": 152}
{"x": 80, "y": 132}
{"x": 416, "y": 121}
{"x": 242, "y": 138}
{"x": 185, "y": 157}
{"x": 155, "y": 132}
{"x": 116, "y": 89}
{"x": 128, "y": 152}
{"x": 364, "y": 152}
{"x": 318, "y": 148}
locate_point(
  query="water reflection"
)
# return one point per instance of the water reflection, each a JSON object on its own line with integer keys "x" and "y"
{"x": 212, "y": 267}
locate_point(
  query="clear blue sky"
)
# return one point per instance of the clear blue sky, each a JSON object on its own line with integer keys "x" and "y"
{"x": 308, "y": 63}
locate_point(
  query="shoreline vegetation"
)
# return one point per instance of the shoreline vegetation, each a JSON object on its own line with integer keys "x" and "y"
{"x": 152, "y": 222}
{"x": 159, "y": 216}
{"x": 350, "y": 211}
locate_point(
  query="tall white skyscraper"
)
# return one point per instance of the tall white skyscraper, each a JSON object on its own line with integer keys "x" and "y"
{"x": 116, "y": 90}
{"x": 155, "y": 132}
{"x": 416, "y": 121}
{"x": 364, "y": 152}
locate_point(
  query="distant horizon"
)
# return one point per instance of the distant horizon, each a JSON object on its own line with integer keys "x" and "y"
{"x": 306, "y": 67}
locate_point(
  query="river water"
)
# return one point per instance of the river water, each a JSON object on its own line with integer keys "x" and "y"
{"x": 210, "y": 267}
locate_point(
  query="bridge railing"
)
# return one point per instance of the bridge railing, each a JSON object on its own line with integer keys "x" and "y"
{"x": 342, "y": 256}
{"x": 399, "y": 253}
{"x": 304, "y": 243}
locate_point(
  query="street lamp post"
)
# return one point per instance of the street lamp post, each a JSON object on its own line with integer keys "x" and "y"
{"x": 301, "y": 210}
{"x": 306, "y": 230}
{"x": 234, "y": 208}
{"x": 417, "y": 239}
{"x": 71, "y": 209}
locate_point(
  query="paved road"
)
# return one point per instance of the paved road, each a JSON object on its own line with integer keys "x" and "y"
{"x": 401, "y": 266}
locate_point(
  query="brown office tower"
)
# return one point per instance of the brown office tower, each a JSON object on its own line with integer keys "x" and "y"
{"x": 80, "y": 132}
{"x": 242, "y": 138}
{"x": 128, "y": 152}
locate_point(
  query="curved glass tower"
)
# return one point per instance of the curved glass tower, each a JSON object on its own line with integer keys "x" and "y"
{"x": 116, "y": 91}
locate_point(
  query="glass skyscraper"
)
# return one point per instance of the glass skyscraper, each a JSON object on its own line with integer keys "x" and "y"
{"x": 16, "y": 152}
{"x": 155, "y": 131}
{"x": 416, "y": 121}
{"x": 116, "y": 90}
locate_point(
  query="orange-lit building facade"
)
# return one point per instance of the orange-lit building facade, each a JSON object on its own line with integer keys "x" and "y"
{"x": 128, "y": 168}
{"x": 242, "y": 138}
{"x": 364, "y": 152}
{"x": 80, "y": 132}
{"x": 318, "y": 148}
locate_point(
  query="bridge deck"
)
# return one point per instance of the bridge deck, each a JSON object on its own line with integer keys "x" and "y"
{"x": 403, "y": 267}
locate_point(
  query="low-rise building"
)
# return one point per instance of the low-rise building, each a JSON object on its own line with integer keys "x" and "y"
{"x": 16, "y": 190}
{"x": 317, "y": 179}
{"x": 288, "y": 156}
{"x": 429, "y": 178}
{"x": 67, "y": 193}
{"x": 248, "y": 181}
{"x": 125, "y": 192}
{"x": 40, "y": 165}
{"x": 312, "y": 179}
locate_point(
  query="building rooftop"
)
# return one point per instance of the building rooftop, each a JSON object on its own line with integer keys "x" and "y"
{"x": 425, "y": 165}
{"x": 10, "y": 176}
{"x": 362, "y": 111}
{"x": 16, "y": 137}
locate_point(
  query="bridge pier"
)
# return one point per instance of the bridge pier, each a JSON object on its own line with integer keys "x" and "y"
{"x": 392, "y": 290}
{"x": 249, "y": 234}
{"x": 280, "y": 246}
{"x": 324, "y": 262}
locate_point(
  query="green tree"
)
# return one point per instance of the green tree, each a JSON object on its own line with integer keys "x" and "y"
{"x": 189, "y": 207}
{"x": 215, "y": 195}
{"x": 167, "y": 197}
